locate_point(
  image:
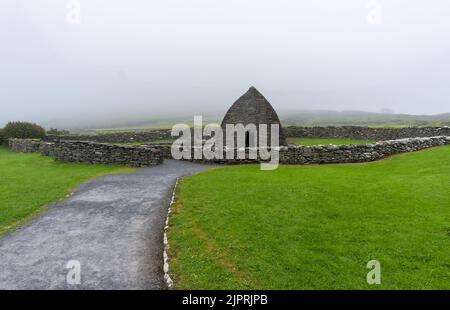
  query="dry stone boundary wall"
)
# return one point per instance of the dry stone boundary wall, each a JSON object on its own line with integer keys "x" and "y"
{"x": 391, "y": 141}
{"x": 359, "y": 132}
{"x": 356, "y": 132}
{"x": 91, "y": 152}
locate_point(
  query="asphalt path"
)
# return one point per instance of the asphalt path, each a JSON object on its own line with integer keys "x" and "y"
{"x": 107, "y": 235}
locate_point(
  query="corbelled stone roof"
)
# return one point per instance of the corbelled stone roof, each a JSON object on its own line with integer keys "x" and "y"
{"x": 253, "y": 108}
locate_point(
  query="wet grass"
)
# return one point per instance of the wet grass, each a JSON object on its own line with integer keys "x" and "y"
{"x": 28, "y": 182}
{"x": 315, "y": 227}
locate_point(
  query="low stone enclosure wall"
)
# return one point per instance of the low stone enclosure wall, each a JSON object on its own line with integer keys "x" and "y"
{"x": 327, "y": 154}
{"x": 24, "y": 145}
{"x": 356, "y": 153}
{"x": 356, "y": 132}
{"x": 368, "y": 133}
{"x": 141, "y": 156}
{"x": 117, "y": 137}
{"x": 91, "y": 152}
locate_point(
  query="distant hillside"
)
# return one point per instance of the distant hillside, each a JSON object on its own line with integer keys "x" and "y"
{"x": 328, "y": 118}
{"x": 293, "y": 118}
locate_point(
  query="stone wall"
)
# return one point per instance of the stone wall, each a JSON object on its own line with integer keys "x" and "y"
{"x": 102, "y": 153}
{"x": 24, "y": 145}
{"x": 148, "y": 155}
{"x": 119, "y": 137}
{"x": 47, "y": 148}
{"x": 356, "y": 153}
{"x": 91, "y": 152}
{"x": 224, "y": 161}
{"x": 359, "y": 132}
{"x": 165, "y": 149}
{"x": 322, "y": 154}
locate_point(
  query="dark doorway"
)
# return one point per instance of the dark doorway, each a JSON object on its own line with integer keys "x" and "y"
{"x": 247, "y": 139}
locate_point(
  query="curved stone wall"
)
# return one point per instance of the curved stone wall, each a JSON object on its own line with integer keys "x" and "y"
{"x": 359, "y": 132}
{"x": 148, "y": 155}
{"x": 102, "y": 153}
{"x": 91, "y": 152}
{"x": 321, "y": 154}
{"x": 328, "y": 154}
{"x": 118, "y": 137}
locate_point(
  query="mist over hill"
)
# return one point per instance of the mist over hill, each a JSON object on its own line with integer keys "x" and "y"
{"x": 288, "y": 118}
{"x": 362, "y": 118}
{"x": 151, "y": 63}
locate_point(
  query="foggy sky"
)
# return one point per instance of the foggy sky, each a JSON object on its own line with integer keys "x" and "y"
{"x": 142, "y": 58}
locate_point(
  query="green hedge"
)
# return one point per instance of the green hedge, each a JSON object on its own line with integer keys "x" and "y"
{"x": 23, "y": 130}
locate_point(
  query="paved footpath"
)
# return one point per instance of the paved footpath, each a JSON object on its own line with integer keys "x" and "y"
{"x": 113, "y": 226}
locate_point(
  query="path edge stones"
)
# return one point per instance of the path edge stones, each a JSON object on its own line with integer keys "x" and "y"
{"x": 167, "y": 278}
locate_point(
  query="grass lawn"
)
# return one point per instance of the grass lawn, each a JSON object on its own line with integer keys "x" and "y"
{"x": 315, "y": 227}
{"x": 30, "y": 181}
{"x": 317, "y": 141}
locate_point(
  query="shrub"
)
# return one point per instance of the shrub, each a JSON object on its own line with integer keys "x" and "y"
{"x": 2, "y": 140}
{"x": 23, "y": 130}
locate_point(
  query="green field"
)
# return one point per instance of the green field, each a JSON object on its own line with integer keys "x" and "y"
{"x": 323, "y": 141}
{"x": 315, "y": 227}
{"x": 28, "y": 182}
{"x": 306, "y": 118}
